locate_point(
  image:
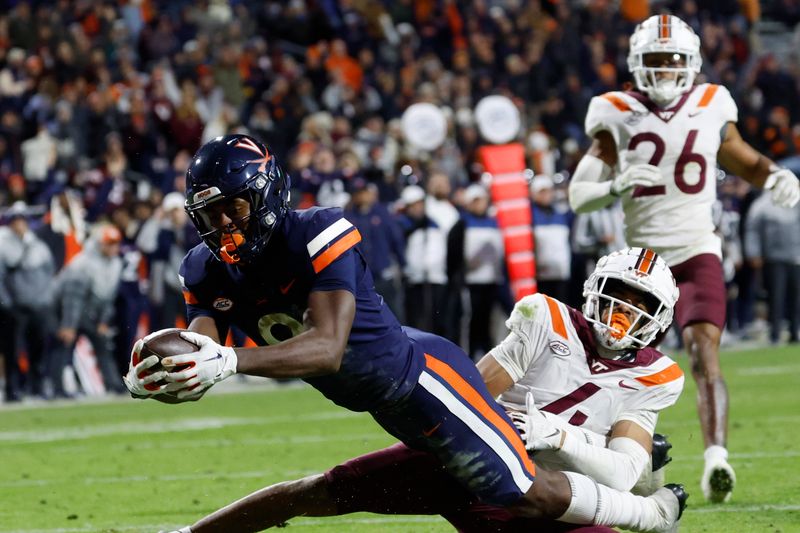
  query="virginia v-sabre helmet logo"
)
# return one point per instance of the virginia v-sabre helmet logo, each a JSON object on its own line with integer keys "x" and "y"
{"x": 236, "y": 166}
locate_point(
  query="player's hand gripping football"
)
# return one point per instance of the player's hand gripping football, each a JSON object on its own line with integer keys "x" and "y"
{"x": 210, "y": 364}
{"x": 636, "y": 175}
{"x": 785, "y": 187}
{"x": 141, "y": 383}
{"x": 538, "y": 433}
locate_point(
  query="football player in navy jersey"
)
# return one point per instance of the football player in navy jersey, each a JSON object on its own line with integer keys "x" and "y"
{"x": 297, "y": 284}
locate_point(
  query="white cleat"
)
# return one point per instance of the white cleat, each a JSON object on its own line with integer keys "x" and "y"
{"x": 718, "y": 476}
{"x": 671, "y": 501}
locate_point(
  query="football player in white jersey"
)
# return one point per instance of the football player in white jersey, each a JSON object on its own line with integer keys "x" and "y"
{"x": 598, "y": 390}
{"x": 657, "y": 149}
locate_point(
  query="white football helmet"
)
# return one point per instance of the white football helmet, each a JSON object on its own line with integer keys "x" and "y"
{"x": 664, "y": 34}
{"x": 641, "y": 269}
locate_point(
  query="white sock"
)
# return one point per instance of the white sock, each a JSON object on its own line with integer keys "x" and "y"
{"x": 715, "y": 451}
{"x": 597, "y": 504}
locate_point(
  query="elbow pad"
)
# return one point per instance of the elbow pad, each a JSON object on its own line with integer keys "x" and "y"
{"x": 590, "y": 188}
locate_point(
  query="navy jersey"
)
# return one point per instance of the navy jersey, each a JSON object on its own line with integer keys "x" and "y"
{"x": 312, "y": 250}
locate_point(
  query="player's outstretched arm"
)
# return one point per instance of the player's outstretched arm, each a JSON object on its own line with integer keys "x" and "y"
{"x": 741, "y": 159}
{"x": 315, "y": 352}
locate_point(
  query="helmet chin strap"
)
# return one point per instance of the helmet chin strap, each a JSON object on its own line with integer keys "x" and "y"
{"x": 230, "y": 245}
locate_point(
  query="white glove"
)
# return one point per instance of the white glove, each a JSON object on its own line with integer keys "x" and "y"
{"x": 537, "y": 432}
{"x": 644, "y": 175}
{"x": 785, "y": 187}
{"x": 210, "y": 364}
{"x": 139, "y": 381}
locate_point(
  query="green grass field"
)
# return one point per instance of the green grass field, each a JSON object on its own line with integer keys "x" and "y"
{"x": 128, "y": 465}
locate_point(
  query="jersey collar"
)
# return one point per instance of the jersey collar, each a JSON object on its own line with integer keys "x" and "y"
{"x": 667, "y": 113}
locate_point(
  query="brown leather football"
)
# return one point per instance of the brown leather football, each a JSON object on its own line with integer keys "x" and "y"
{"x": 163, "y": 343}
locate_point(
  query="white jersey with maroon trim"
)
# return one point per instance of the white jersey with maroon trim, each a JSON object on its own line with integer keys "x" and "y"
{"x": 674, "y": 218}
{"x": 551, "y": 352}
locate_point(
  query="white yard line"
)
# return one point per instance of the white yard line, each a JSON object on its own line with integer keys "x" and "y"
{"x": 768, "y": 370}
{"x": 734, "y": 508}
{"x": 171, "y": 426}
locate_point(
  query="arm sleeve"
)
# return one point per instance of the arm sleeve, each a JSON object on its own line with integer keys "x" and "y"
{"x": 619, "y": 466}
{"x": 590, "y": 186}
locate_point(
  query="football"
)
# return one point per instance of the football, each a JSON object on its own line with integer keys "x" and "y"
{"x": 163, "y": 343}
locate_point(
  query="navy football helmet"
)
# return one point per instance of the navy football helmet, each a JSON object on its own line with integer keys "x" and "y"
{"x": 236, "y": 166}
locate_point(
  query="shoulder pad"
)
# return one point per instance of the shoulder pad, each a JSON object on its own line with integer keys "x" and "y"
{"x": 531, "y": 309}
{"x": 326, "y": 235}
{"x": 605, "y": 110}
{"x": 718, "y": 97}
{"x": 194, "y": 265}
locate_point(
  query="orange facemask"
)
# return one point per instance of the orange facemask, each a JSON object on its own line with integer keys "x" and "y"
{"x": 619, "y": 325}
{"x": 230, "y": 243}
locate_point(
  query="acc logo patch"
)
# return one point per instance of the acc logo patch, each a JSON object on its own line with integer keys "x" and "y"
{"x": 222, "y": 304}
{"x": 559, "y": 348}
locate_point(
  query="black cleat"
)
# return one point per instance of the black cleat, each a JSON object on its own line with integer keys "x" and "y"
{"x": 660, "y": 454}
{"x": 680, "y": 492}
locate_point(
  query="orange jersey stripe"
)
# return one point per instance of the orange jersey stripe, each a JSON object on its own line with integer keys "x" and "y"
{"x": 647, "y": 261}
{"x": 671, "y": 373}
{"x": 618, "y": 102}
{"x": 341, "y": 246}
{"x": 190, "y": 298}
{"x": 555, "y": 317}
{"x": 474, "y": 399}
{"x": 664, "y": 30}
{"x": 708, "y": 94}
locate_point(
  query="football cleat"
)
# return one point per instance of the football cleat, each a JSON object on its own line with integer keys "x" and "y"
{"x": 660, "y": 453}
{"x": 671, "y": 501}
{"x": 718, "y": 476}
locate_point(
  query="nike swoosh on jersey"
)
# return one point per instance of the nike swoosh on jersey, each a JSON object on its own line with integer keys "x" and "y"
{"x": 429, "y": 432}
{"x": 622, "y": 384}
{"x": 284, "y": 289}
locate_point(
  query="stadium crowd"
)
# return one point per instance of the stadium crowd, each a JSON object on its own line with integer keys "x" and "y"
{"x": 103, "y": 103}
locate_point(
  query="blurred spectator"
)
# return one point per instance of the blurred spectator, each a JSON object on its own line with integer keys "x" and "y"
{"x": 551, "y": 227}
{"x": 425, "y": 273}
{"x": 381, "y": 241}
{"x": 772, "y": 245}
{"x": 131, "y": 302}
{"x": 440, "y": 209}
{"x": 64, "y": 229}
{"x": 38, "y": 159}
{"x": 166, "y": 238}
{"x": 26, "y": 298}
{"x": 593, "y": 235}
{"x": 475, "y": 258}
{"x": 85, "y": 301}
